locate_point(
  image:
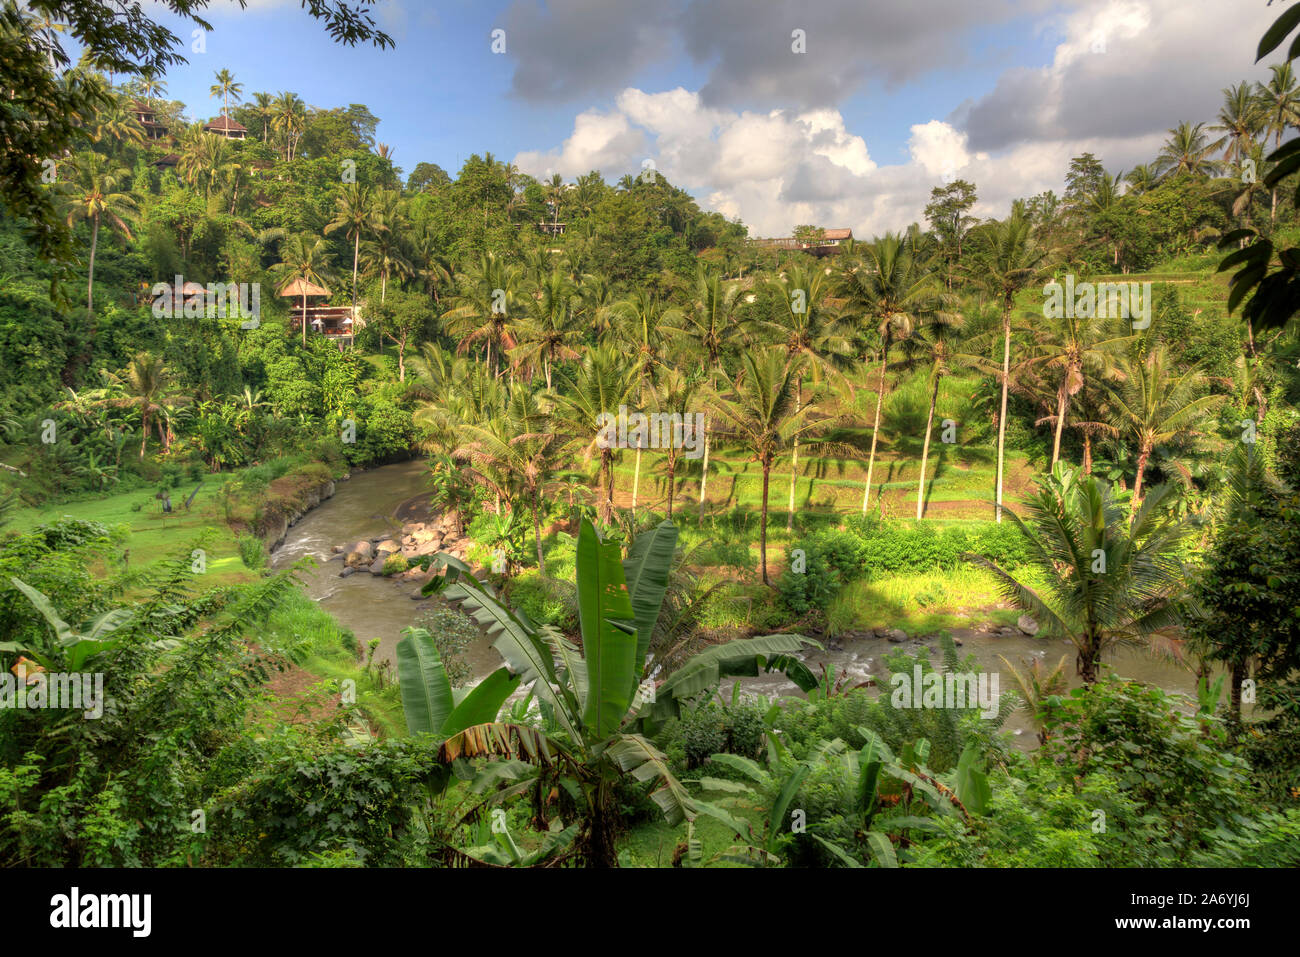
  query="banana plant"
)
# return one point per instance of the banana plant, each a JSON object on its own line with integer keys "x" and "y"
{"x": 596, "y": 701}
{"x": 71, "y": 648}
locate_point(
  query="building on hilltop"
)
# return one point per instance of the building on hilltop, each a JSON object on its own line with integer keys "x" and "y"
{"x": 826, "y": 244}
{"x": 225, "y": 126}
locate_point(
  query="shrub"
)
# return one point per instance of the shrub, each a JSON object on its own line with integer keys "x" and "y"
{"x": 251, "y": 552}
{"x": 395, "y": 564}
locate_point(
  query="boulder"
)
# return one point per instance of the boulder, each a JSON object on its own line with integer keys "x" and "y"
{"x": 347, "y": 571}
{"x": 337, "y": 549}
{"x": 1027, "y": 625}
{"x": 377, "y": 567}
{"x": 364, "y": 550}
{"x": 387, "y": 545}
{"x": 358, "y": 559}
{"x": 897, "y": 636}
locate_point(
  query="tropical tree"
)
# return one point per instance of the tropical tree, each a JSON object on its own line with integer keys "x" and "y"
{"x": 227, "y": 89}
{"x": 1111, "y": 577}
{"x": 357, "y": 214}
{"x": 1241, "y": 120}
{"x": 306, "y": 258}
{"x": 484, "y": 311}
{"x": 146, "y": 386}
{"x": 811, "y": 330}
{"x": 935, "y": 343}
{"x": 1155, "y": 403}
{"x": 1037, "y": 687}
{"x": 1009, "y": 261}
{"x": 674, "y": 395}
{"x": 757, "y": 409}
{"x": 1279, "y": 99}
{"x": 290, "y": 120}
{"x": 1188, "y": 151}
{"x": 587, "y": 403}
{"x": 600, "y": 703}
{"x": 889, "y": 287}
{"x": 548, "y": 334}
{"x": 708, "y": 325}
{"x": 513, "y": 454}
{"x": 642, "y": 326}
{"x": 1070, "y": 349}
{"x": 263, "y": 108}
{"x": 93, "y": 194}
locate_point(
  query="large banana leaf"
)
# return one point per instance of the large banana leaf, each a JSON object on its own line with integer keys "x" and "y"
{"x": 638, "y": 757}
{"x": 426, "y": 692}
{"x": 525, "y": 653}
{"x": 483, "y": 703}
{"x": 744, "y": 656}
{"x": 609, "y": 638}
{"x": 649, "y": 560}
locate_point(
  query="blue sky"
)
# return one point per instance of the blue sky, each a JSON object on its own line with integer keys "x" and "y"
{"x": 887, "y": 101}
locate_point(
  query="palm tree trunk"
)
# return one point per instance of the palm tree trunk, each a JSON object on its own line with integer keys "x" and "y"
{"x": 537, "y": 530}
{"x": 144, "y": 429}
{"x": 356, "y": 253}
{"x": 1087, "y": 452}
{"x": 875, "y": 428}
{"x": 1002, "y": 416}
{"x": 925, "y": 450}
{"x": 90, "y": 281}
{"x": 636, "y": 477}
{"x": 1060, "y": 424}
{"x": 704, "y": 470}
{"x": 304, "y": 317}
{"x": 672, "y": 480}
{"x": 1137, "y": 482}
{"x": 762, "y": 527}
{"x": 794, "y": 460}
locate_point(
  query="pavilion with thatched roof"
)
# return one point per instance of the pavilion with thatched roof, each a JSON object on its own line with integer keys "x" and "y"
{"x": 335, "y": 322}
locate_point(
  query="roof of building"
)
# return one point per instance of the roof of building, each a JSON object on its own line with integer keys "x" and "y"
{"x": 300, "y": 287}
{"x": 224, "y": 122}
{"x": 837, "y": 233}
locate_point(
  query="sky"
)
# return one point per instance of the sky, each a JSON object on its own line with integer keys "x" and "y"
{"x": 781, "y": 112}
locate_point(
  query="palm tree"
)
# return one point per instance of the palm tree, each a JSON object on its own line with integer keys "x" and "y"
{"x": 758, "y": 409}
{"x": 555, "y": 188}
{"x": 548, "y": 334}
{"x": 357, "y": 214}
{"x": 1009, "y": 262}
{"x": 264, "y": 108}
{"x": 151, "y": 86}
{"x": 1156, "y": 403}
{"x": 202, "y": 156}
{"x": 1188, "y": 151}
{"x": 484, "y": 311}
{"x": 385, "y": 254}
{"x": 934, "y": 342}
{"x": 1280, "y": 101}
{"x": 290, "y": 120}
{"x": 116, "y": 121}
{"x": 1071, "y": 348}
{"x": 146, "y": 386}
{"x": 1142, "y": 179}
{"x": 675, "y": 395}
{"x": 513, "y": 454}
{"x": 1241, "y": 120}
{"x": 584, "y": 404}
{"x": 304, "y": 257}
{"x": 810, "y": 329}
{"x": 226, "y": 88}
{"x": 708, "y": 325}
{"x": 890, "y": 287}
{"x": 1111, "y": 578}
{"x": 1037, "y": 689}
{"x": 642, "y": 331}
{"x": 92, "y": 195}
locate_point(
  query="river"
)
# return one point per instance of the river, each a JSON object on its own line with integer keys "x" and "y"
{"x": 367, "y": 505}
